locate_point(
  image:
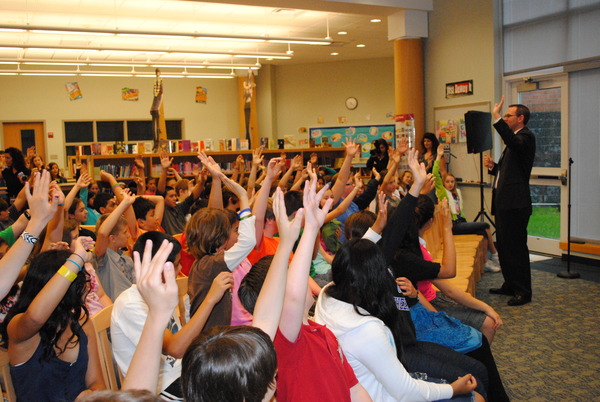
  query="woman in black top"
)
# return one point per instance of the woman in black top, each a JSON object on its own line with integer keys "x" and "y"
{"x": 15, "y": 173}
{"x": 379, "y": 156}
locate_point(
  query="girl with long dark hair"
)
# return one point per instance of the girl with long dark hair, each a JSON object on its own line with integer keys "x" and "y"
{"x": 15, "y": 173}
{"x": 51, "y": 342}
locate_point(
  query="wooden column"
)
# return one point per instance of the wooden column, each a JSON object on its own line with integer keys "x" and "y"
{"x": 409, "y": 84}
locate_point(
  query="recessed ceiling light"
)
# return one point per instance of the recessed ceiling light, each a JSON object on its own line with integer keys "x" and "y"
{"x": 360, "y": 45}
{"x": 375, "y": 20}
{"x": 342, "y": 33}
{"x": 334, "y": 53}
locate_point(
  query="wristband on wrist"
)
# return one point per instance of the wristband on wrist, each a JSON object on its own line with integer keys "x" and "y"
{"x": 67, "y": 273}
{"x": 29, "y": 238}
{"x": 246, "y": 217}
{"x": 115, "y": 186}
{"x": 244, "y": 211}
{"x": 76, "y": 264}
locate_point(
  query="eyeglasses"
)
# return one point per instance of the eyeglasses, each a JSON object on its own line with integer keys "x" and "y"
{"x": 507, "y": 115}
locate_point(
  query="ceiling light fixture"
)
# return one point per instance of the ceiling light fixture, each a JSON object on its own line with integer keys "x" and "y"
{"x": 360, "y": 45}
{"x": 168, "y": 35}
{"x": 375, "y": 20}
{"x": 334, "y": 53}
{"x": 342, "y": 33}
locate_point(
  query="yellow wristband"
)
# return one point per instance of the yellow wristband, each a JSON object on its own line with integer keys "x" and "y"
{"x": 67, "y": 273}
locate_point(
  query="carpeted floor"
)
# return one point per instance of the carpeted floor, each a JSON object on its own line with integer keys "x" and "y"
{"x": 549, "y": 349}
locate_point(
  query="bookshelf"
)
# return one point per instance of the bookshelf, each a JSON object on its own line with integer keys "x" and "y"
{"x": 121, "y": 165}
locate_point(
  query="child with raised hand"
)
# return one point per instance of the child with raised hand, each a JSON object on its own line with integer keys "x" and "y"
{"x": 41, "y": 211}
{"x": 217, "y": 248}
{"x": 115, "y": 269}
{"x": 51, "y": 343}
{"x": 130, "y": 312}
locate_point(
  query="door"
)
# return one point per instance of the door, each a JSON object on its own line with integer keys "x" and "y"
{"x": 25, "y": 135}
{"x": 547, "y": 100}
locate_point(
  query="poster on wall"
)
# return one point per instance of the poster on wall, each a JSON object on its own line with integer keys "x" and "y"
{"x": 448, "y": 131}
{"x": 73, "y": 90}
{"x": 201, "y": 95}
{"x": 364, "y": 135}
{"x": 130, "y": 94}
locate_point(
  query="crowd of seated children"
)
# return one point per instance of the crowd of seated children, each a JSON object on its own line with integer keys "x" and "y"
{"x": 259, "y": 247}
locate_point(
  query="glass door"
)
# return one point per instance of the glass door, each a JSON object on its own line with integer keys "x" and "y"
{"x": 547, "y": 99}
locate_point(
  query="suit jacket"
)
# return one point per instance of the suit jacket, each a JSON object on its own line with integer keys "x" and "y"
{"x": 512, "y": 189}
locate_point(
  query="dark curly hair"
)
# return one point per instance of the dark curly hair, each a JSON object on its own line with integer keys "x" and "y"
{"x": 66, "y": 314}
{"x": 18, "y": 160}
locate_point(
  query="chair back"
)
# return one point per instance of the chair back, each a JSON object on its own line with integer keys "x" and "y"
{"x": 110, "y": 371}
{"x": 182, "y": 285}
{"x": 5, "y": 372}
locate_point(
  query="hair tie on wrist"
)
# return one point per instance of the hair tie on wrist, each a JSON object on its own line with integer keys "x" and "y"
{"x": 82, "y": 260}
{"x": 76, "y": 264}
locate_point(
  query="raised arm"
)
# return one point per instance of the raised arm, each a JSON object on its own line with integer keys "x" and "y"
{"x": 215, "y": 200}
{"x": 54, "y": 231}
{"x": 262, "y": 199}
{"x": 298, "y": 273}
{"x": 448, "y": 268}
{"x": 165, "y": 164}
{"x": 269, "y": 304}
{"x": 119, "y": 193}
{"x": 257, "y": 158}
{"x": 295, "y": 165}
{"x": 83, "y": 181}
{"x": 352, "y": 149}
{"x": 41, "y": 212}
{"x": 343, "y": 206}
{"x": 161, "y": 298}
{"x": 26, "y": 325}
{"x": 102, "y": 240}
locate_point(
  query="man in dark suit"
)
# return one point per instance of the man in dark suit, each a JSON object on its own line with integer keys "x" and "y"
{"x": 511, "y": 203}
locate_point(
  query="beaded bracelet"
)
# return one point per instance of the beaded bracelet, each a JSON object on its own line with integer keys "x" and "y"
{"x": 78, "y": 266}
{"x": 67, "y": 273}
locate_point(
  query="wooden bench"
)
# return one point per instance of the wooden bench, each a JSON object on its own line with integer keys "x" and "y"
{"x": 470, "y": 254}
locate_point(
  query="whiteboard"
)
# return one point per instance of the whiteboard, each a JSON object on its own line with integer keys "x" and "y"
{"x": 462, "y": 164}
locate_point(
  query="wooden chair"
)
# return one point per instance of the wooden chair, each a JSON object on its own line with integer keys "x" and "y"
{"x": 110, "y": 371}
{"x": 6, "y": 380}
{"x": 182, "y": 285}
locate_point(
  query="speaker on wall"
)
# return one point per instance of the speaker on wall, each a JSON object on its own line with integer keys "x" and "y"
{"x": 479, "y": 131}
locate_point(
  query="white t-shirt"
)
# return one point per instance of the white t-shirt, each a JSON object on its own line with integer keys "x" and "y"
{"x": 126, "y": 325}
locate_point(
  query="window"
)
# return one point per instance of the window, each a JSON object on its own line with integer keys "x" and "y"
{"x": 79, "y": 131}
{"x": 85, "y": 132}
{"x": 110, "y": 131}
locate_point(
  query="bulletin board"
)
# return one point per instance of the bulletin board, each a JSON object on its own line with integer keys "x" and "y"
{"x": 363, "y": 135}
{"x": 449, "y": 127}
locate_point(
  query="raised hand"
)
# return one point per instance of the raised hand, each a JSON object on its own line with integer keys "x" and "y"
{"x": 429, "y": 184}
{"x": 212, "y": 166}
{"x": 128, "y": 198}
{"x": 257, "y": 156}
{"x": 445, "y": 214}
{"x": 84, "y": 180}
{"x": 288, "y": 230}
{"x": 56, "y": 191}
{"x": 311, "y": 171}
{"x": 165, "y": 161}
{"x": 314, "y": 159}
{"x": 37, "y": 199}
{"x": 395, "y": 156}
{"x": 159, "y": 295}
{"x": 273, "y": 168}
{"x": 497, "y": 112}
{"x": 358, "y": 183}
{"x": 402, "y": 146}
{"x": 105, "y": 176}
{"x": 139, "y": 162}
{"x": 235, "y": 188}
{"x": 297, "y": 162}
{"x": 313, "y": 215}
{"x": 352, "y": 147}
{"x": 418, "y": 169}
{"x": 382, "y": 214}
{"x": 440, "y": 151}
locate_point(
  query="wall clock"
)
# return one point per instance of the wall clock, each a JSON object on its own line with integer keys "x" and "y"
{"x": 351, "y": 103}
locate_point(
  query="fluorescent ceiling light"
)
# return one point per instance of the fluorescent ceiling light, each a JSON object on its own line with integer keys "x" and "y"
{"x": 9, "y": 62}
{"x": 16, "y": 30}
{"x": 116, "y": 65}
{"x": 36, "y": 63}
{"x": 262, "y": 56}
{"x": 1, "y": 73}
{"x": 105, "y": 75}
{"x": 67, "y": 32}
{"x": 360, "y": 45}
{"x": 342, "y": 33}
{"x": 49, "y": 74}
{"x": 375, "y": 20}
{"x": 154, "y": 36}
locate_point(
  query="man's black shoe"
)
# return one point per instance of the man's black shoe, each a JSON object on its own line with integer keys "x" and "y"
{"x": 519, "y": 301}
{"x": 501, "y": 291}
